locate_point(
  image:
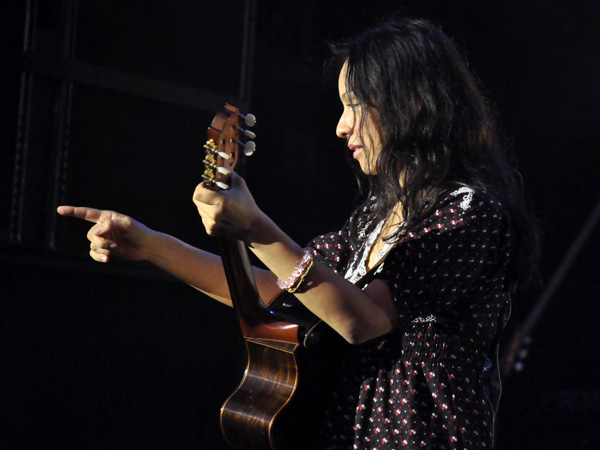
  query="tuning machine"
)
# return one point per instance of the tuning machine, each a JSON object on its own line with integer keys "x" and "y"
{"x": 249, "y": 119}
{"x": 249, "y": 147}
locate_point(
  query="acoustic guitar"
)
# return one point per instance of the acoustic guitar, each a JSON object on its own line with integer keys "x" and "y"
{"x": 277, "y": 404}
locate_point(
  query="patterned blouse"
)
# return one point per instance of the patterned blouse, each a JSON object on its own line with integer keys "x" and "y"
{"x": 422, "y": 385}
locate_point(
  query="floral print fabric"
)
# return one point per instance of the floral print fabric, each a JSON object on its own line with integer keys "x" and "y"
{"x": 422, "y": 385}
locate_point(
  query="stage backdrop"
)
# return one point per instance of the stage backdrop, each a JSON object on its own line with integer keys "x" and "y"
{"x": 107, "y": 103}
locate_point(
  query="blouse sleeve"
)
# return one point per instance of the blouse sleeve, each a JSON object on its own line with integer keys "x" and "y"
{"x": 458, "y": 253}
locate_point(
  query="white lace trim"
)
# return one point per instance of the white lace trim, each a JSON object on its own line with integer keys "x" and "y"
{"x": 429, "y": 318}
{"x": 466, "y": 202}
{"x": 356, "y": 272}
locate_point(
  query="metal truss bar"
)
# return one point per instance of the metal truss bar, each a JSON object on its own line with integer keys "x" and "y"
{"x": 100, "y": 76}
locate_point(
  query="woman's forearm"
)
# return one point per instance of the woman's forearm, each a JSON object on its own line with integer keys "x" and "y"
{"x": 200, "y": 269}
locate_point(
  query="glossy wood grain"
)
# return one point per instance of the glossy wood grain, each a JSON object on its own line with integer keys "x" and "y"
{"x": 249, "y": 415}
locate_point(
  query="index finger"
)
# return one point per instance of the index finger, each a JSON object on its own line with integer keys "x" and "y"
{"x": 80, "y": 212}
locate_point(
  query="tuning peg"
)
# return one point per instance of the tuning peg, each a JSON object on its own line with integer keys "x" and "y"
{"x": 249, "y": 148}
{"x": 224, "y": 155}
{"x": 248, "y": 133}
{"x": 249, "y": 119}
{"x": 223, "y": 170}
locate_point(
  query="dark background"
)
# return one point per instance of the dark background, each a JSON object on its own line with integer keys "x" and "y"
{"x": 107, "y": 103}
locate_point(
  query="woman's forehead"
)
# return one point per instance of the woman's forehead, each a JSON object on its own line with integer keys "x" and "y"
{"x": 345, "y": 90}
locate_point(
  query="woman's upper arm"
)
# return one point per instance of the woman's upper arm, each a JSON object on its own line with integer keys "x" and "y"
{"x": 380, "y": 294}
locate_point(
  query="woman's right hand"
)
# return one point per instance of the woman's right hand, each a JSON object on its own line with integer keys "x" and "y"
{"x": 113, "y": 234}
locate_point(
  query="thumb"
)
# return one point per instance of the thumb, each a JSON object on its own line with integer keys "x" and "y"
{"x": 111, "y": 222}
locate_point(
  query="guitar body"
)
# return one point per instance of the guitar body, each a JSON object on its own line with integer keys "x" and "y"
{"x": 271, "y": 377}
{"x": 278, "y": 403}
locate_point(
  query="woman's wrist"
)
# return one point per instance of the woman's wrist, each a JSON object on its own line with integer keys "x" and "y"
{"x": 262, "y": 231}
{"x": 154, "y": 246}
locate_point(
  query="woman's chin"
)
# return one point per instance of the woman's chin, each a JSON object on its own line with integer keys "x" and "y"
{"x": 367, "y": 169}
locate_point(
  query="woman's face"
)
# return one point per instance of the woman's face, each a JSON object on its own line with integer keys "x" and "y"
{"x": 364, "y": 143}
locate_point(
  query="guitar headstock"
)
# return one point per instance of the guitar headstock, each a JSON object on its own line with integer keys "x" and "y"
{"x": 222, "y": 146}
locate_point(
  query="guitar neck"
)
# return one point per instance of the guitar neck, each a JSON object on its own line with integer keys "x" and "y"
{"x": 240, "y": 279}
{"x": 220, "y": 159}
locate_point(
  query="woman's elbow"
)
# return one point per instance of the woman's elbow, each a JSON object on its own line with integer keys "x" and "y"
{"x": 358, "y": 333}
{"x": 354, "y": 338}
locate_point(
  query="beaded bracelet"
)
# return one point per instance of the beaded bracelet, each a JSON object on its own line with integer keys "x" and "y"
{"x": 300, "y": 283}
{"x": 298, "y": 276}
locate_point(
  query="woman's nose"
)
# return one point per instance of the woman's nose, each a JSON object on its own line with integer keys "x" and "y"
{"x": 344, "y": 126}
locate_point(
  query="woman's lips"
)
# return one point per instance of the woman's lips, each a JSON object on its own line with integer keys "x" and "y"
{"x": 356, "y": 150}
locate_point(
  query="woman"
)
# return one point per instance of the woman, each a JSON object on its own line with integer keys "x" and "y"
{"x": 441, "y": 239}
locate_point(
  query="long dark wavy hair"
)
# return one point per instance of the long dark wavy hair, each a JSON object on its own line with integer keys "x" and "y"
{"x": 437, "y": 130}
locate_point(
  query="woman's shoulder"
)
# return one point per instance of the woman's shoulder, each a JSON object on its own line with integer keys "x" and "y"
{"x": 462, "y": 207}
{"x": 466, "y": 200}
{"x": 467, "y": 195}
